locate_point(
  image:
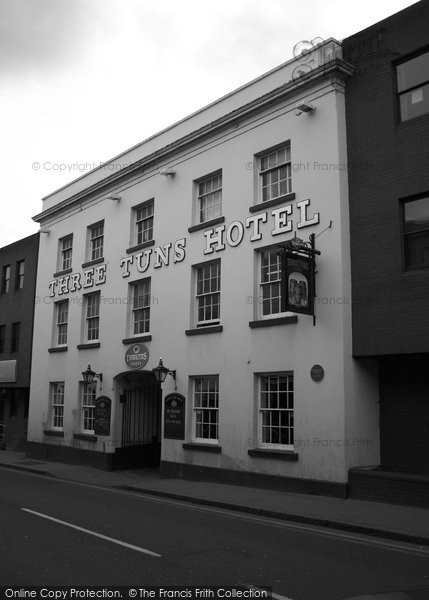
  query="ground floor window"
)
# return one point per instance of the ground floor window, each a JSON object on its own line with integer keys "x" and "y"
{"x": 276, "y": 400}
{"x": 206, "y": 408}
{"x": 57, "y": 404}
{"x": 88, "y": 393}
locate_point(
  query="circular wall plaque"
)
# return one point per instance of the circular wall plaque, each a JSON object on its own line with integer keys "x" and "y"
{"x": 317, "y": 373}
{"x": 137, "y": 356}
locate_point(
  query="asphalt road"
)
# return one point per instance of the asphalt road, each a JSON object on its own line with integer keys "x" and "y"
{"x": 166, "y": 543}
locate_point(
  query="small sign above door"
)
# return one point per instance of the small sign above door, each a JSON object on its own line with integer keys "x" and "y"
{"x": 137, "y": 356}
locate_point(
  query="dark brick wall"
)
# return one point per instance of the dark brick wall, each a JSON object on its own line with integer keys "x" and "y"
{"x": 388, "y": 160}
{"x": 392, "y": 488}
{"x": 18, "y": 305}
{"x": 404, "y": 414}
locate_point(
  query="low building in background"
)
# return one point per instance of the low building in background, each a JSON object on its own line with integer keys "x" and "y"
{"x": 18, "y": 268}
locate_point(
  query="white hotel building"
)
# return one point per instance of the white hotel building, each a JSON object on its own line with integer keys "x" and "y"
{"x": 172, "y": 250}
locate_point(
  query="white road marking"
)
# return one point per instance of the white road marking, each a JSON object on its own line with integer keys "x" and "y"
{"x": 99, "y": 535}
{"x": 273, "y": 595}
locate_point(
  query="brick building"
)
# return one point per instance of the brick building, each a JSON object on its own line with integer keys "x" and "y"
{"x": 18, "y": 268}
{"x": 387, "y": 111}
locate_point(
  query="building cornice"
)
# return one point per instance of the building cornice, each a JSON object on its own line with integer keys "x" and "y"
{"x": 336, "y": 66}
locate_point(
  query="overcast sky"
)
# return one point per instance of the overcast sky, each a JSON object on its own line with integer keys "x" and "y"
{"x": 83, "y": 80}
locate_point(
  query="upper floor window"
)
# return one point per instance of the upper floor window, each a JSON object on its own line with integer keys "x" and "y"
{"x": 416, "y": 231}
{"x": 62, "y": 318}
{"x": 413, "y": 86}
{"x": 5, "y": 279}
{"x": 143, "y": 222}
{"x": 274, "y": 169}
{"x": 140, "y": 312}
{"x": 96, "y": 241}
{"x": 92, "y": 317}
{"x": 19, "y": 274}
{"x": 210, "y": 197}
{"x": 66, "y": 251}
{"x": 14, "y": 340}
{"x": 208, "y": 293}
{"x": 270, "y": 285}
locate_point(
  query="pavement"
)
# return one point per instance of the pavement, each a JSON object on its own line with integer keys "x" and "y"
{"x": 389, "y": 521}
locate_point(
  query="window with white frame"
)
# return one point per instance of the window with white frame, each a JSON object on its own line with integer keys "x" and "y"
{"x": 210, "y": 197}
{"x": 92, "y": 317}
{"x": 276, "y": 393}
{"x": 62, "y": 319}
{"x": 140, "y": 306}
{"x": 143, "y": 216}
{"x": 208, "y": 293}
{"x": 66, "y": 251}
{"x": 206, "y": 408}
{"x": 57, "y": 405}
{"x": 275, "y": 173}
{"x": 270, "y": 282}
{"x": 88, "y": 394}
{"x": 96, "y": 241}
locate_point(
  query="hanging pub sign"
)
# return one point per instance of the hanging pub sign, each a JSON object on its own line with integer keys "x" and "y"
{"x": 174, "y": 417}
{"x": 102, "y": 414}
{"x": 298, "y": 275}
{"x": 299, "y": 282}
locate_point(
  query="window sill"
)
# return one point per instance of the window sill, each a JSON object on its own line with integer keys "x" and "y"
{"x": 290, "y": 455}
{"x": 137, "y": 339}
{"x": 203, "y": 447}
{"x": 86, "y": 437}
{"x": 90, "y": 263}
{"x": 202, "y": 330}
{"x": 58, "y": 349}
{"x": 61, "y": 273}
{"x": 416, "y": 269}
{"x": 140, "y": 246}
{"x": 206, "y": 224}
{"x": 272, "y": 322}
{"x": 88, "y": 346}
{"x": 52, "y": 433}
{"x": 274, "y": 202}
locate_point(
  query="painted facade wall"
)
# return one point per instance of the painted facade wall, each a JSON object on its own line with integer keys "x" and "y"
{"x": 325, "y": 445}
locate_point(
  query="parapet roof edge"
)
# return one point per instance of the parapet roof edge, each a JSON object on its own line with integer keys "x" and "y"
{"x": 187, "y": 118}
